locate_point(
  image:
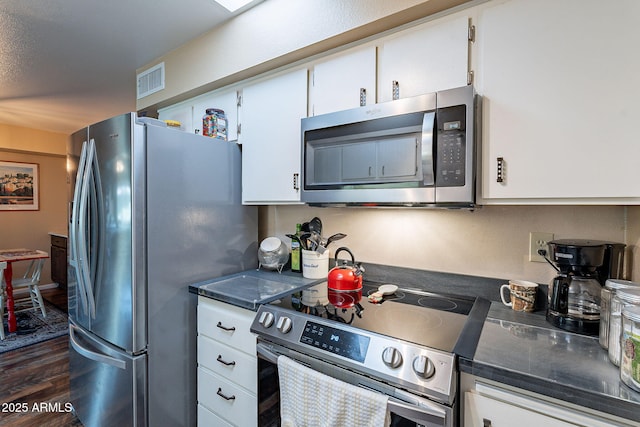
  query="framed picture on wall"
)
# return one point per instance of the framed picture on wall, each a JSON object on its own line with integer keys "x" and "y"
{"x": 19, "y": 186}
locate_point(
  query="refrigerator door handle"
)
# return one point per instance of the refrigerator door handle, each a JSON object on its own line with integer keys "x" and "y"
{"x": 92, "y": 355}
{"x": 74, "y": 229}
{"x": 83, "y": 253}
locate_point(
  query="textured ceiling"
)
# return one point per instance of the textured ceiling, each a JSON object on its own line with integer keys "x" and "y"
{"x": 65, "y": 64}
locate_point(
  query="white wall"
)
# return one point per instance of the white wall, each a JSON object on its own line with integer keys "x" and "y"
{"x": 492, "y": 241}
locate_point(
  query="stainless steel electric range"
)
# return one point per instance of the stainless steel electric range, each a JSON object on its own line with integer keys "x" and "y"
{"x": 405, "y": 346}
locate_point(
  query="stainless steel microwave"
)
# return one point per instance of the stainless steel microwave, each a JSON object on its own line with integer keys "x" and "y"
{"x": 418, "y": 151}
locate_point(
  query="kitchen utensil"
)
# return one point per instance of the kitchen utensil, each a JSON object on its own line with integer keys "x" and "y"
{"x": 378, "y": 296}
{"x": 273, "y": 253}
{"x": 315, "y": 225}
{"x": 333, "y": 238}
{"x": 345, "y": 277}
{"x": 387, "y": 289}
{"x": 304, "y": 241}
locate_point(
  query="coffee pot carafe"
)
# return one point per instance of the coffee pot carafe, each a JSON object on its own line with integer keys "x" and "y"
{"x": 574, "y": 294}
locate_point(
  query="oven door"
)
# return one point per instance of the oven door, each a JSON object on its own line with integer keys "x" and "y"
{"x": 406, "y": 408}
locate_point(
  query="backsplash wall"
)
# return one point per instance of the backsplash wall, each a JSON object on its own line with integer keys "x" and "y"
{"x": 492, "y": 241}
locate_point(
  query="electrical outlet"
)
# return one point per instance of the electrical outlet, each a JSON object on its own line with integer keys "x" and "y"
{"x": 537, "y": 241}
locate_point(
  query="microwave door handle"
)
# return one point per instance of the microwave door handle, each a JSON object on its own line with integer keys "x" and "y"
{"x": 426, "y": 148}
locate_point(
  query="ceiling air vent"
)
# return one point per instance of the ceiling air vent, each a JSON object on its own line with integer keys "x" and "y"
{"x": 151, "y": 80}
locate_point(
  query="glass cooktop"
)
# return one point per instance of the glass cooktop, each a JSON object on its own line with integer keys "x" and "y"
{"x": 431, "y": 320}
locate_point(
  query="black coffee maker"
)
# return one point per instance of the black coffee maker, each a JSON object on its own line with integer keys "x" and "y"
{"x": 583, "y": 267}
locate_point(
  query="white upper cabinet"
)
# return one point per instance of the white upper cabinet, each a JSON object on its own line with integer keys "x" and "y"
{"x": 427, "y": 58}
{"x": 182, "y": 112}
{"x": 271, "y": 112}
{"x": 560, "y": 100}
{"x": 339, "y": 82}
{"x": 189, "y": 113}
{"x": 224, "y": 100}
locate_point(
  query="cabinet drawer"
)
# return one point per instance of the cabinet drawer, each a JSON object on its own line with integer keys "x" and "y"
{"x": 58, "y": 241}
{"x": 228, "y": 362}
{"x": 239, "y": 408}
{"x": 206, "y": 418}
{"x": 226, "y": 323}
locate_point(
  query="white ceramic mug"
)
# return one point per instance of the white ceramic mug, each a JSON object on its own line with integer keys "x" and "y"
{"x": 522, "y": 295}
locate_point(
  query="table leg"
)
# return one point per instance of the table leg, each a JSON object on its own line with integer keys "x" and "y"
{"x": 11, "y": 315}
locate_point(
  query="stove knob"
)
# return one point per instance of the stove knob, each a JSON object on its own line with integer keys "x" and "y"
{"x": 392, "y": 357}
{"x": 284, "y": 325}
{"x": 423, "y": 367}
{"x": 266, "y": 319}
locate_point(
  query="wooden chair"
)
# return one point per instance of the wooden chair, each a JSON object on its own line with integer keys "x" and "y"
{"x": 3, "y": 265}
{"x": 30, "y": 280}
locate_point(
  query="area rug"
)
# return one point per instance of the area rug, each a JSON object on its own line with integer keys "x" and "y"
{"x": 32, "y": 328}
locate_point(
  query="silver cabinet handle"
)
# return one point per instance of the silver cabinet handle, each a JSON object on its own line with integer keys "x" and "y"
{"x": 224, "y": 362}
{"x": 395, "y": 90}
{"x": 500, "y": 166}
{"x": 221, "y": 326}
{"x": 363, "y": 96}
{"x": 225, "y": 397}
{"x": 296, "y": 181}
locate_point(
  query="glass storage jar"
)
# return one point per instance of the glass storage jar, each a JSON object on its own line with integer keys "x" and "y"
{"x": 622, "y": 298}
{"x": 630, "y": 343}
{"x": 611, "y": 286}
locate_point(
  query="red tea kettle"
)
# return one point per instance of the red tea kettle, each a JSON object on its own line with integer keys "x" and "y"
{"x": 345, "y": 277}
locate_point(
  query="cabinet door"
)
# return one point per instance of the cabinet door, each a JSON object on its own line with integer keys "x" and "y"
{"x": 482, "y": 411}
{"x": 226, "y": 101}
{"x": 431, "y": 57}
{"x": 337, "y": 81}
{"x": 270, "y": 138}
{"x": 182, "y": 112}
{"x": 559, "y": 86}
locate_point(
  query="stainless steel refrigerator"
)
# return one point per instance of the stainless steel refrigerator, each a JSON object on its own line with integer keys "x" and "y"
{"x": 154, "y": 209}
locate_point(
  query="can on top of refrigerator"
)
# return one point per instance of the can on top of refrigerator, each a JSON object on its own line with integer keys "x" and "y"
{"x": 214, "y": 124}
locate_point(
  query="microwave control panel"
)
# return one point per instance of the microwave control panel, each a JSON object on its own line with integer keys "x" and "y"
{"x": 451, "y": 146}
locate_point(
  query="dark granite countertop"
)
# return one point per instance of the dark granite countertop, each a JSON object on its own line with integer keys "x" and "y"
{"x": 518, "y": 349}
{"x": 524, "y": 351}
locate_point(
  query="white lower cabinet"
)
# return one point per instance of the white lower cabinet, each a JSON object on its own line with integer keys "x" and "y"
{"x": 227, "y": 365}
{"x": 489, "y": 404}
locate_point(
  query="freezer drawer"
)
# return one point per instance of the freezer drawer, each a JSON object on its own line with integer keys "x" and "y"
{"x": 108, "y": 387}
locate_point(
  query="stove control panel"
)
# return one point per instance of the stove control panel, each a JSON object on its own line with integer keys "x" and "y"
{"x": 429, "y": 372}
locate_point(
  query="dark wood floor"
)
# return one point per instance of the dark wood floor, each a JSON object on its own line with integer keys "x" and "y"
{"x": 34, "y": 380}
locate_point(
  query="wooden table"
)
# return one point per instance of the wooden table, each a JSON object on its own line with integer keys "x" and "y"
{"x": 11, "y": 256}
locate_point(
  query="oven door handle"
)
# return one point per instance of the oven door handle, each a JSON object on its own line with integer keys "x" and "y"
{"x": 266, "y": 354}
{"x": 430, "y": 415}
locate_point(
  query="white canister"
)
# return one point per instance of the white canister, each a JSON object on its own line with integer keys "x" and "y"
{"x": 315, "y": 265}
{"x": 630, "y": 343}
